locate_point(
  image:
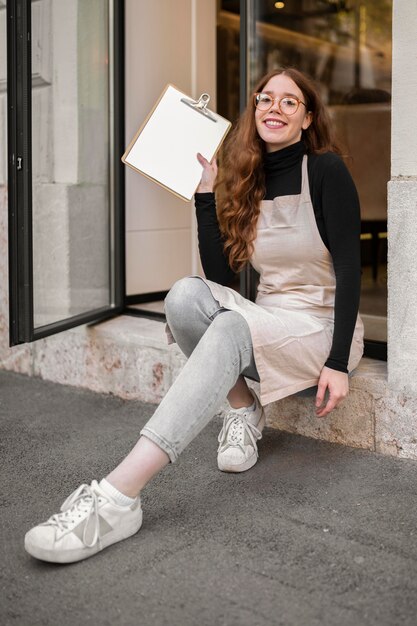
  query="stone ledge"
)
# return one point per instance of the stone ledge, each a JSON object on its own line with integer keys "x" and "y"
{"x": 352, "y": 423}
{"x": 125, "y": 356}
{"x": 373, "y": 416}
{"x": 129, "y": 357}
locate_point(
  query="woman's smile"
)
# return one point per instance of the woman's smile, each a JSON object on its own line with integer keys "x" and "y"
{"x": 275, "y": 128}
{"x": 274, "y": 124}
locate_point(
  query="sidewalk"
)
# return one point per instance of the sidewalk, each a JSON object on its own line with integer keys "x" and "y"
{"x": 314, "y": 534}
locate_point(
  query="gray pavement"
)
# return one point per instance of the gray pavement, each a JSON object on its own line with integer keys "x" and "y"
{"x": 314, "y": 534}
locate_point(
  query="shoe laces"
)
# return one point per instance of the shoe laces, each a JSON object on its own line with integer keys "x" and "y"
{"x": 81, "y": 503}
{"x": 233, "y": 432}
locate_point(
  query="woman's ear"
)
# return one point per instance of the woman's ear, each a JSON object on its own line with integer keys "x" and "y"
{"x": 307, "y": 120}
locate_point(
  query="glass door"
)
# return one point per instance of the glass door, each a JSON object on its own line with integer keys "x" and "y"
{"x": 64, "y": 64}
{"x": 345, "y": 45}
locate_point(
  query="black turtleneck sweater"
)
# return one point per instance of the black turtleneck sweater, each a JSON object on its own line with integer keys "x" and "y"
{"x": 336, "y": 207}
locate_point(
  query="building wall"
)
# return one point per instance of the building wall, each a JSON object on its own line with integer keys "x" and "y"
{"x": 3, "y": 89}
{"x": 166, "y": 42}
{"x": 129, "y": 357}
{"x": 402, "y": 204}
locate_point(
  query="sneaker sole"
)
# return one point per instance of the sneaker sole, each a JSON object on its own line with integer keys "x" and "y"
{"x": 72, "y": 556}
{"x": 250, "y": 462}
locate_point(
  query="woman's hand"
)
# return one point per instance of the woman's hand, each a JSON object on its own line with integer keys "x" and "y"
{"x": 208, "y": 176}
{"x": 338, "y": 385}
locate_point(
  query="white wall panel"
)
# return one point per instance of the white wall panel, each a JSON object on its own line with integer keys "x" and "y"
{"x": 166, "y": 42}
{"x": 3, "y": 50}
{"x": 404, "y": 89}
{"x": 3, "y": 99}
{"x": 205, "y": 75}
{"x": 41, "y": 39}
{"x": 149, "y": 206}
{"x": 157, "y": 52}
{"x": 3, "y": 139}
{"x": 156, "y": 259}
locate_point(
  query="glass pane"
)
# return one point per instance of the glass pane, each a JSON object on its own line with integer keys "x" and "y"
{"x": 70, "y": 158}
{"x": 346, "y": 46}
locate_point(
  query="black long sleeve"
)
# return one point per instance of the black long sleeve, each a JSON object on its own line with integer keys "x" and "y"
{"x": 215, "y": 264}
{"x": 342, "y": 227}
{"x": 337, "y": 212}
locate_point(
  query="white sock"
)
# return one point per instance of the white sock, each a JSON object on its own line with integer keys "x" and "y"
{"x": 117, "y": 496}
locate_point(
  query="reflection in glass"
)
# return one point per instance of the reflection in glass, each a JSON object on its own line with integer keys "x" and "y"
{"x": 70, "y": 155}
{"x": 346, "y": 46}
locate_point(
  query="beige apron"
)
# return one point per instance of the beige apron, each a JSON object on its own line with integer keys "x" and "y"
{"x": 291, "y": 323}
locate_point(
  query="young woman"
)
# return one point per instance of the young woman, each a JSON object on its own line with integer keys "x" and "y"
{"x": 290, "y": 209}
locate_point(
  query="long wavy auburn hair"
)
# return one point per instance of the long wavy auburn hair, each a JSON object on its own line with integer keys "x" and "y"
{"x": 243, "y": 181}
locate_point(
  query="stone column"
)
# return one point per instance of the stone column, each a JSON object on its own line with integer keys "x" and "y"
{"x": 402, "y": 205}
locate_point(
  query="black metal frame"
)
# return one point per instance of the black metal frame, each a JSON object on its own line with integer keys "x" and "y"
{"x": 142, "y": 298}
{"x": 376, "y": 350}
{"x": 155, "y": 296}
{"x": 19, "y": 167}
{"x": 245, "y": 275}
{"x": 118, "y": 149}
{"x": 19, "y": 103}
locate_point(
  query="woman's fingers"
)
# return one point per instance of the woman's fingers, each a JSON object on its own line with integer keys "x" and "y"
{"x": 331, "y": 404}
{"x": 206, "y": 164}
{"x": 338, "y": 387}
{"x": 321, "y": 390}
{"x": 202, "y": 160}
{"x": 209, "y": 174}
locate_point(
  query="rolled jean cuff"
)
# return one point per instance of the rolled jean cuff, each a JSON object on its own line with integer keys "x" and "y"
{"x": 160, "y": 442}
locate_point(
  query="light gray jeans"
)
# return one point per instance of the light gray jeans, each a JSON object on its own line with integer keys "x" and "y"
{"x": 219, "y": 349}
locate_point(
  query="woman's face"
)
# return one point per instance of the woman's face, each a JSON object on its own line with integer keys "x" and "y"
{"x": 274, "y": 127}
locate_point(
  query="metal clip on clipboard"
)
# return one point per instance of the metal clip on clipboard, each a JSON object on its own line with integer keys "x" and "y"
{"x": 200, "y": 105}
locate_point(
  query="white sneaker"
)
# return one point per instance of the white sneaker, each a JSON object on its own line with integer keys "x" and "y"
{"x": 237, "y": 451}
{"x": 88, "y": 522}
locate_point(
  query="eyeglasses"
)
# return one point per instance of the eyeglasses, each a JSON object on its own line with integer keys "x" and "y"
{"x": 287, "y": 105}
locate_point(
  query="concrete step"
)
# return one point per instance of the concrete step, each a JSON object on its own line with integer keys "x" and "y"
{"x": 130, "y": 358}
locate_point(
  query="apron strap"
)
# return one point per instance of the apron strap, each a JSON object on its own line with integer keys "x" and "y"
{"x": 305, "y": 185}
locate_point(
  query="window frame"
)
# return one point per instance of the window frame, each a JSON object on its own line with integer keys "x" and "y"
{"x": 372, "y": 349}
{"x": 19, "y": 107}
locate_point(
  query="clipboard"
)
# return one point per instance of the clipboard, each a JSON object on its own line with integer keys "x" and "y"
{"x": 165, "y": 147}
